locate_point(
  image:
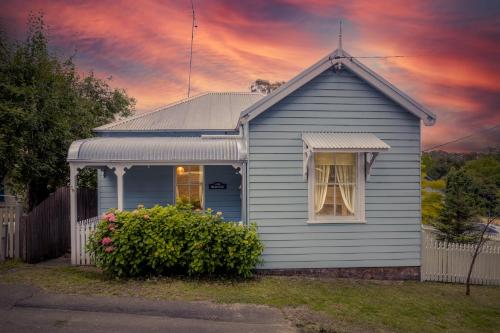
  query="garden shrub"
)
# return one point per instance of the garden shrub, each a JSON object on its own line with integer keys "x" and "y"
{"x": 174, "y": 240}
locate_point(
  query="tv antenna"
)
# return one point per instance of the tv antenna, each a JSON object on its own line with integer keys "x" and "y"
{"x": 193, "y": 26}
{"x": 340, "y": 53}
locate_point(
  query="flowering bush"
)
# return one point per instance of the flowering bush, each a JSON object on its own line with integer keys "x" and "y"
{"x": 174, "y": 240}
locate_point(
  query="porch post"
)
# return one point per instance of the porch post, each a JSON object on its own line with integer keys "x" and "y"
{"x": 73, "y": 173}
{"x": 243, "y": 173}
{"x": 119, "y": 172}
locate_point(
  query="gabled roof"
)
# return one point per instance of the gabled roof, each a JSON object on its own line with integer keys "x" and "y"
{"x": 372, "y": 78}
{"x": 213, "y": 111}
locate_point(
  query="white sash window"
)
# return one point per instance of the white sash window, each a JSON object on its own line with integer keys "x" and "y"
{"x": 336, "y": 187}
{"x": 189, "y": 187}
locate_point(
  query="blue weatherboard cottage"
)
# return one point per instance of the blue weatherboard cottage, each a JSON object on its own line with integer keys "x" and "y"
{"x": 328, "y": 166}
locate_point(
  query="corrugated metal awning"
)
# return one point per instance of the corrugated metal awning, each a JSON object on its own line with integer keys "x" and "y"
{"x": 366, "y": 143}
{"x": 157, "y": 149}
{"x": 360, "y": 142}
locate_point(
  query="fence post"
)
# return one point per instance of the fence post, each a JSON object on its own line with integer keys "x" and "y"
{"x": 17, "y": 231}
{"x": 73, "y": 210}
{"x": 3, "y": 243}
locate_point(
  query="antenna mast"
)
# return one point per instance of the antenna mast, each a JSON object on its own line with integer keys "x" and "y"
{"x": 340, "y": 52}
{"x": 191, "y": 50}
{"x": 340, "y": 37}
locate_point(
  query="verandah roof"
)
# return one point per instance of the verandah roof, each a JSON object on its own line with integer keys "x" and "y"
{"x": 157, "y": 149}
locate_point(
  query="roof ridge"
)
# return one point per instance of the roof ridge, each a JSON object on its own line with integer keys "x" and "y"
{"x": 233, "y": 93}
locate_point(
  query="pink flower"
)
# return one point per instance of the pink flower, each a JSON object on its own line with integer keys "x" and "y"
{"x": 106, "y": 241}
{"x": 111, "y": 217}
{"x": 146, "y": 217}
{"x": 109, "y": 249}
{"x": 111, "y": 227}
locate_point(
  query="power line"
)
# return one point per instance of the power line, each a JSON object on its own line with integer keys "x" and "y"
{"x": 373, "y": 57}
{"x": 462, "y": 138}
{"x": 191, "y": 50}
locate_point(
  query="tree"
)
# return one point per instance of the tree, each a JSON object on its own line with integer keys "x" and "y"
{"x": 264, "y": 86}
{"x": 486, "y": 171}
{"x": 480, "y": 242}
{"x": 44, "y": 106}
{"x": 457, "y": 221}
{"x": 432, "y": 196}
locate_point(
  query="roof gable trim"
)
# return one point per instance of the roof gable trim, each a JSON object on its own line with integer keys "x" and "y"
{"x": 288, "y": 88}
{"x": 372, "y": 78}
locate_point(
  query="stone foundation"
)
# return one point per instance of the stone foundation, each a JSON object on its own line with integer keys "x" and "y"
{"x": 368, "y": 273}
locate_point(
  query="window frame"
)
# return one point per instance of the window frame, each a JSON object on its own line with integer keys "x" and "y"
{"x": 202, "y": 168}
{"x": 359, "y": 216}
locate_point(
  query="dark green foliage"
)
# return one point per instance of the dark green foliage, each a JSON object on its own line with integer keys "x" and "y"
{"x": 439, "y": 163}
{"x": 486, "y": 173}
{"x": 174, "y": 240}
{"x": 462, "y": 206}
{"x": 483, "y": 168}
{"x": 45, "y": 104}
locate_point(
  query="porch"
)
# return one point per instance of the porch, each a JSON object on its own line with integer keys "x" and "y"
{"x": 206, "y": 172}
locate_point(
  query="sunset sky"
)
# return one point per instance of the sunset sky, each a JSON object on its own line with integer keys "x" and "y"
{"x": 453, "y": 49}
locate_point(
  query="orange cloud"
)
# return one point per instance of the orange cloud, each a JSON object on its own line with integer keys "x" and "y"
{"x": 453, "y": 65}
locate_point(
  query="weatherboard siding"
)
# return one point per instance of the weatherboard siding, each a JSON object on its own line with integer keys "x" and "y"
{"x": 141, "y": 185}
{"x": 278, "y": 194}
{"x": 155, "y": 185}
{"x": 227, "y": 201}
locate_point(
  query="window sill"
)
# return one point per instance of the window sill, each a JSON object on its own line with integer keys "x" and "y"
{"x": 336, "y": 222}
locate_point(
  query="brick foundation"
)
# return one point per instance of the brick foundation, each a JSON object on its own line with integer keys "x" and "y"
{"x": 368, "y": 273}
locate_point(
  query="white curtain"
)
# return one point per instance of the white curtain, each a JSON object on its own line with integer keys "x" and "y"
{"x": 345, "y": 177}
{"x": 322, "y": 173}
{"x": 202, "y": 196}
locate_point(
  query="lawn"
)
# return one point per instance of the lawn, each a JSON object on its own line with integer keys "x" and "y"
{"x": 315, "y": 305}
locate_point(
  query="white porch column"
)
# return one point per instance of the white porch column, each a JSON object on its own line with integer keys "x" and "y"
{"x": 73, "y": 173}
{"x": 243, "y": 173}
{"x": 119, "y": 172}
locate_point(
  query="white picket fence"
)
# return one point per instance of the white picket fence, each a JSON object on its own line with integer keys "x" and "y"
{"x": 449, "y": 262}
{"x": 84, "y": 229}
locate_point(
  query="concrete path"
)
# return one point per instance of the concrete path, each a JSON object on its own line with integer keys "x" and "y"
{"x": 26, "y": 309}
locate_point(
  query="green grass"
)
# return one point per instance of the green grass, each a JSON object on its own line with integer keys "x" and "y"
{"x": 334, "y": 305}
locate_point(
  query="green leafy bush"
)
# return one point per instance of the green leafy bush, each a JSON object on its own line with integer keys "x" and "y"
{"x": 174, "y": 240}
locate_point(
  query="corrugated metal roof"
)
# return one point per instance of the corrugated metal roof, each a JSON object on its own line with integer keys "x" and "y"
{"x": 344, "y": 141}
{"x": 209, "y": 111}
{"x": 158, "y": 149}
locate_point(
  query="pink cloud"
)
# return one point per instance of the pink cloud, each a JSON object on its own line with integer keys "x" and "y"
{"x": 453, "y": 66}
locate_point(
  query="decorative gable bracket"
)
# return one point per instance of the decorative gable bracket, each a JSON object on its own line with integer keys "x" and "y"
{"x": 369, "y": 159}
{"x": 307, "y": 156}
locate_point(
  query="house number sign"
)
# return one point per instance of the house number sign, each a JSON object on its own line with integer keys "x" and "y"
{"x": 217, "y": 186}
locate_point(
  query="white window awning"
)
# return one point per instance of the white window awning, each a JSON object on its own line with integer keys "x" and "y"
{"x": 352, "y": 142}
{"x": 143, "y": 150}
{"x": 367, "y": 143}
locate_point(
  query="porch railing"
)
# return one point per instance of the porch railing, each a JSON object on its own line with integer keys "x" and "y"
{"x": 84, "y": 228}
